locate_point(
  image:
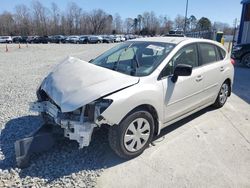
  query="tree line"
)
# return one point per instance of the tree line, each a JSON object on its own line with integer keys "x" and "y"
{"x": 40, "y": 20}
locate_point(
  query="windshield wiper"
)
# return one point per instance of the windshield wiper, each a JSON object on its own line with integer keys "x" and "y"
{"x": 116, "y": 64}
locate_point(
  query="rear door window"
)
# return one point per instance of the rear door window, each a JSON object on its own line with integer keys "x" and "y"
{"x": 208, "y": 53}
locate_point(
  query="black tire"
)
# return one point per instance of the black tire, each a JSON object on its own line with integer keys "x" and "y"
{"x": 246, "y": 60}
{"x": 117, "y": 133}
{"x": 220, "y": 103}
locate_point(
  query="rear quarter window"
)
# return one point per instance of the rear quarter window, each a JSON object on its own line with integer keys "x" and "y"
{"x": 222, "y": 53}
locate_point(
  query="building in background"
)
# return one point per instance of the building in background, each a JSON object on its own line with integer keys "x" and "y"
{"x": 244, "y": 32}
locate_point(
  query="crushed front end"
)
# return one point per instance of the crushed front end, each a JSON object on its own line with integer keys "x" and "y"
{"x": 77, "y": 125}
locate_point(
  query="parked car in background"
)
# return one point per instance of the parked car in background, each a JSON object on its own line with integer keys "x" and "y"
{"x": 57, "y": 39}
{"x": 241, "y": 52}
{"x": 83, "y": 39}
{"x": 117, "y": 38}
{"x": 5, "y": 39}
{"x": 127, "y": 37}
{"x": 107, "y": 39}
{"x": 30, "y": 39}
{"x": 72, "y": 39}
{"x": 123, "y": 39}
{"x": 21, "y": 39}
{"x": 39, "y": 39}
{"x": 174, "y": 35}
{"x": 95, "y": 39}
{"x": 139, "y": 87}
{"x": 16, "y": 39}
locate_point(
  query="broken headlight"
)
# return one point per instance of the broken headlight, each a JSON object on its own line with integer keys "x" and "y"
{"x": 96, "y": 108}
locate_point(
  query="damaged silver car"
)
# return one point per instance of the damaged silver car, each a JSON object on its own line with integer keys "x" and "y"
{"x": 136, "y": 88}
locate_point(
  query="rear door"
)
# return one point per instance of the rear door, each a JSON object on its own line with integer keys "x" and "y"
{"x": 212, "y": 67}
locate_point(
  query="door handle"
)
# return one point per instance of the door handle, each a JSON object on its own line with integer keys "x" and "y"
{"x": 222, "y": 69}
{"x": 199, "y": 78}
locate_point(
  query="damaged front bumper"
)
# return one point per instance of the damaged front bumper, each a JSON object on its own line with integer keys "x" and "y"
{"x": 77, "y": 125}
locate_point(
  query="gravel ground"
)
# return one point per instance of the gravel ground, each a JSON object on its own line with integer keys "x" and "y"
{"x": 65, "y": 165}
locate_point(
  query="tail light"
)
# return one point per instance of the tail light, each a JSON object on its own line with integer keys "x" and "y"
{"x": 233, "y": 61}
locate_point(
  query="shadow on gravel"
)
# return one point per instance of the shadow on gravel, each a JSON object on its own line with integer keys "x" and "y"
{"x": 14, "y": 130}
{"x": 241, "y": 85}
{"x": 65, "y": 158}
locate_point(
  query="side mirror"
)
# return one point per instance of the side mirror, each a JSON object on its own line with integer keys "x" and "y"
{"x": 181, "y": 70}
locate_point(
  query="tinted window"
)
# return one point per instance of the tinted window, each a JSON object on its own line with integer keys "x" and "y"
{"x": 187, "y": 55}
{"x": 222, "y": 53}
{"x": 208, "y": 53}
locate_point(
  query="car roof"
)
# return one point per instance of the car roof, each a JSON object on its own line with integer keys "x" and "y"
{"x": 172, "y": 40}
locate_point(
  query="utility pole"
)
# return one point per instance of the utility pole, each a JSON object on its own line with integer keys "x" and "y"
{"x": 235, "y": 28}
{"x": 234, "y": 33}
{"x": 185, "y": 26}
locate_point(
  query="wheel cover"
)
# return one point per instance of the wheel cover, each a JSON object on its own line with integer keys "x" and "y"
{"x": 137, "y": 134}
{"x": 223, "y": 93}
{"x": 246, "y": 60}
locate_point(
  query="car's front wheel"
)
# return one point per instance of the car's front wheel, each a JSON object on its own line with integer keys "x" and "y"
{"x": 133, "y": 135}
{"x": 246, "y": 60}
{"x": 223, "y": 95}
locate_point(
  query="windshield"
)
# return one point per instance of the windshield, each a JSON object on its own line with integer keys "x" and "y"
{"x": 134, "y": 58}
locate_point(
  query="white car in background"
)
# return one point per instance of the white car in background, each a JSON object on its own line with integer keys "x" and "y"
{"x": 5, "y": 39}
{"x": 123, "y": 39}
{"x": 136, "y": 88}
{"x": 117, "y": 38}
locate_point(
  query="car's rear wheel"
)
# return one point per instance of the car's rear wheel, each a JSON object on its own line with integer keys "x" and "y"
{"x": 246, "y": 60}
{"x": 133, "y": 135}
{"x": 223, "y": 95}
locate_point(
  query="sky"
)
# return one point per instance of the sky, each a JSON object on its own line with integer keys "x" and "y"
{"x": 216, "y": 10}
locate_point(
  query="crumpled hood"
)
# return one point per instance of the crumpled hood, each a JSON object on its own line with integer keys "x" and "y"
{"x": 75, "y": 83}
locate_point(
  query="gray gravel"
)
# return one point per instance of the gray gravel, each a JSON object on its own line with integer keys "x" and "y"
{"x": 21, "y": 71}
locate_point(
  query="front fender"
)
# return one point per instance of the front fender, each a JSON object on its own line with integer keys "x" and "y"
{"x": 126, "y": 100}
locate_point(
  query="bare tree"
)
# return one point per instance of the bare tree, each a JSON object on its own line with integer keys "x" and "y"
{"x": 117, "y": 23}
{"x": 139, "y": 19}
{"x": 151, "y": 24}
{"x": 7, "y": 24}
{"x": 40, "y": 14}
{"x": 98, "y": 20}
{"x": 22, "y": 20}
{"x": 128, "y": 24}
{"x": 39, "y": 20}
{"x": 165, "y": 25}
{"x": 179, "y": 22}
{"x": 55, "y": 19}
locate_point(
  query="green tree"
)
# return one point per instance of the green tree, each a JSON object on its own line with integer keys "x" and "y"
{"x": 204, "y": 24}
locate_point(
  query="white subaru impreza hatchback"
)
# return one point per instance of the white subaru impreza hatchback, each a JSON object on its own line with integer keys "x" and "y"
{"x": 136, "y": 88}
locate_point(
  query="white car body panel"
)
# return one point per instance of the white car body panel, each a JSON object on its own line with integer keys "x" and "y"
{"x": 146, "y": 92}
{"x": 75, "y": 83}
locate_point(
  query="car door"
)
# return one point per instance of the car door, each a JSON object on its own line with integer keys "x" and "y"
{"x": 184, "y": 95}
{"x": 213, "y": 66}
